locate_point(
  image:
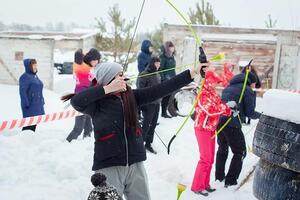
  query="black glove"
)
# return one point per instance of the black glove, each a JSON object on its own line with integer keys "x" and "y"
{"x": 202, "y": 59}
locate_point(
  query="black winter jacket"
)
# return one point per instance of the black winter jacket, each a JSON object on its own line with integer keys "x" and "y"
{"x": 247, "y": 107}
{"x": 149, "y": 81}
{"x": 114, "y": 144}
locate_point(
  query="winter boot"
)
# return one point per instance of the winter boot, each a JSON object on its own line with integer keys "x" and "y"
{"x": 165, "y": 115}
{"x": 150, "y": 149}
{"x": 203, "y": 193}
{"x": 210, "y": 190}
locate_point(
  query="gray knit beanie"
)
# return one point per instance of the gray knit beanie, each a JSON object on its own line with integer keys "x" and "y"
{"x": 106, "y": 72}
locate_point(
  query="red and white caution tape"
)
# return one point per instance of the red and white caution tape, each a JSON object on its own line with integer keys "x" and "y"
{"x": 294, "y": 91}
{"x": 19, "y": 123}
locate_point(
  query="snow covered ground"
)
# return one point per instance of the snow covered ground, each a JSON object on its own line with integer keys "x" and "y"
{"x": 43, "y": 166}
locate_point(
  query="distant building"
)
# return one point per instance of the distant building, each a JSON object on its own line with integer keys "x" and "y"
{"x": 276, "y": 53}
{"x": 15, "y": 46}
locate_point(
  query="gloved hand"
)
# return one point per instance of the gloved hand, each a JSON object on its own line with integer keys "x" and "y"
{"x": 232, "y": 104}
{"x": 233, "y": 107}
{"x": 235, "y": 112}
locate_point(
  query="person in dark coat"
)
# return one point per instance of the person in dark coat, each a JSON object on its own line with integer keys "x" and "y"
{"x": 143, "y": 59}
{"x": 31, "y": 92}
{"x": 232, "y": 135}
{"x": 144, "y": 56}
{"x": 150, "y": 111}
{"x": 119, "y": 149}
{"x": 82, "y": 67}
{"x": 167, "y": 61}
{"x": 257, "y": 86}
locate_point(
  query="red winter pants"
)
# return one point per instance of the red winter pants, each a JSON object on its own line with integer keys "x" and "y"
{"x": 207, "y": 154}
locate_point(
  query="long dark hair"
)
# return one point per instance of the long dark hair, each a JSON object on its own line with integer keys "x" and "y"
{"x": 130, "y": 109}
{"x": 151, "y": 65}
{"x": 67, "y": 97}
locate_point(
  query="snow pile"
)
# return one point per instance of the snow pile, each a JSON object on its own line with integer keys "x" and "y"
{"x": 282, "y": 105}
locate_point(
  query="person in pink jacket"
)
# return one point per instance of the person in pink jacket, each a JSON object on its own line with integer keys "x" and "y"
{"x": 208, "y": 110}
{"x": 83, "y": 75}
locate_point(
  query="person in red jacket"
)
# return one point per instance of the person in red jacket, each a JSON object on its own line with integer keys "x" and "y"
{"x": 208, "y": 110}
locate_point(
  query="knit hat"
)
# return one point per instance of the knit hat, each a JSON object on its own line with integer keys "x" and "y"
{"x": 93, "y": 54}
{"x": 102, "y": 190}
{"x": 106, "y": 72}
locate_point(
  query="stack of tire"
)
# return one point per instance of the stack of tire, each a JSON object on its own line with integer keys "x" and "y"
{"x": 277, "y": 143}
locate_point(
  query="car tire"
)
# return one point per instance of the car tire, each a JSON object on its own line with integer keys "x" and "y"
{"x": 272, "y": 182}
{"x": 278, "y": 141}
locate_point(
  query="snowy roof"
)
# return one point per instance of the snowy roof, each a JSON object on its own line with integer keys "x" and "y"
{"x": 260, "y": 38}
{"x": 234, "y": 34}
{"x": 47, "y": 35}
{"x": 237, "y": 29}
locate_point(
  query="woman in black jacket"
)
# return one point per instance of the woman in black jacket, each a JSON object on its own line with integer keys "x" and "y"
{"x": 150, "y": 111}
{"x": 119, "y": 147}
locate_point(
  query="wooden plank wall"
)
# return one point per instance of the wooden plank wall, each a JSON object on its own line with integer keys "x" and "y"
{"x": 262, "y": 46}
{"x": 263, "y": 55}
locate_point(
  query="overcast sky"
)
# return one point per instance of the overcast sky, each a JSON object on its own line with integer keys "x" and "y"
{"x": 241, "y": 13}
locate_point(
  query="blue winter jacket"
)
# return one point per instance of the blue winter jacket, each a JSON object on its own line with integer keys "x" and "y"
{"x": 31, "y": 92}
{"x": 145, "y": 56}
{"x": 247, "y": 107}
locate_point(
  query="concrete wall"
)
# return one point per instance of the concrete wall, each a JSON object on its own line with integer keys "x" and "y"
{"x": 287, "y": 63}
{"x": 42, "y": 50}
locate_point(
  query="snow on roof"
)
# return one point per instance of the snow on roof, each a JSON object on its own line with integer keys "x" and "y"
{"x": 268, "y": 38}
{"x": 35, "y": 37}
{"x": 48, "y": 35}
{"x": 282, "y": 105}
